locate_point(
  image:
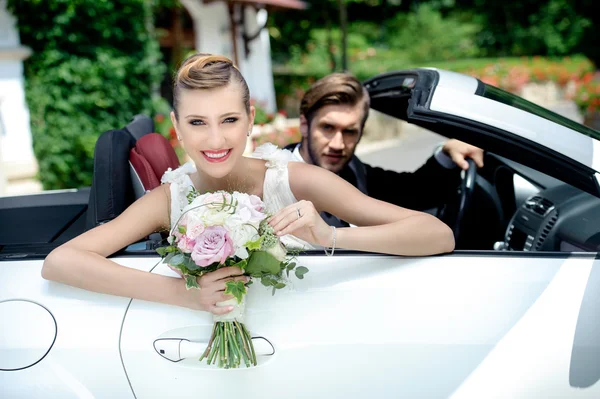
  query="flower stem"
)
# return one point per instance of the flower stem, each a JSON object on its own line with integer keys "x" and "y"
{"x": 229, "y": 345}
{"x": 213, "y": 351}
{"x": 210, "y": 342}
{"x": 226, "y": 359}
{"x": 249, "y": 338}
{"x": 233, "y": 333}
{"x": 244, "y": 341}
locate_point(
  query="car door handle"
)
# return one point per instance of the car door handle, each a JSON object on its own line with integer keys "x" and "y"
{"x": 177, "y": 349}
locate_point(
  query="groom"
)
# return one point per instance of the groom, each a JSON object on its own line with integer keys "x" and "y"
{"x": 333, "y": 113}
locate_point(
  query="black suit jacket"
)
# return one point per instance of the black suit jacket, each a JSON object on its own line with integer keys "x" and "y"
{"x": 428, "y": 187}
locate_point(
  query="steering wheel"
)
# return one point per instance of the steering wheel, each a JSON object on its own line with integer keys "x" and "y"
{"x": 465, "y": 195}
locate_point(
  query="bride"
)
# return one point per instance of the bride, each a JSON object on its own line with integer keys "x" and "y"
{"x": 212, "y": 116}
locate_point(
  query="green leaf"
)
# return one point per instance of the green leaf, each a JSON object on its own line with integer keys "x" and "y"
{"x": 241, "y": 264}
{"x": 177, "y": 260}
{"x": 235, "y": 288}
{"x": 279, "y": 286}
{"x": 261, "y": 262}
{"x": 254, "y": 245}
{"x": 301, "y": 271}
{"x": 182, "y": 229}
{"x": 169, "y": 257}
{"x": 162, "y": 251}
{"x": 191, "y": 282}
{"x": 190, "y": 264}
{"x": 268, "y": 281}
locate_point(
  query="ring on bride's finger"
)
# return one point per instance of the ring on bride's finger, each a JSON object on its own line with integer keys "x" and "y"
{"x": 298, "y": 212}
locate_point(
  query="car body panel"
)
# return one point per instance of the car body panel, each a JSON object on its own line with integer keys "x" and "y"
{"x": 84, "y": 361}
{"x": 357, "y": 325}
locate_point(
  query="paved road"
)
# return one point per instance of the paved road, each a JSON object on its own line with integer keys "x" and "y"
{"x": 405, "y": 154}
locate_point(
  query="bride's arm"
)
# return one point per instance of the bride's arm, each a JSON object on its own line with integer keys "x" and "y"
{"x": 385, "y": 228}
{"x": 82, "y": 261}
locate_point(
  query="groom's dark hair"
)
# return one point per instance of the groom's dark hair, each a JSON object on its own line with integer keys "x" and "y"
{"x": 336, "y": 88}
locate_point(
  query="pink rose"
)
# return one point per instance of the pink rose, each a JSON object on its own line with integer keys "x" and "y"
{"x": 185, "y": 243}
{"x": 213, "y": 245}
{"x": 217, "y": 199}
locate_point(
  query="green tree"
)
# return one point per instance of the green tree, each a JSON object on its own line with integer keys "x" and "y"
{"x": 95, "y": 64}
{"x": 528, "y": 27}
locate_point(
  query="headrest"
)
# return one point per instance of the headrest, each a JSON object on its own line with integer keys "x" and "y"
{"x": 140, "y": 126}
{"x": 151, "y": 156}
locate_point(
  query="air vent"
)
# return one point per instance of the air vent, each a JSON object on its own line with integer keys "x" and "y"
{"x": 538, "y": 205}
{"x": 546, "y": 230}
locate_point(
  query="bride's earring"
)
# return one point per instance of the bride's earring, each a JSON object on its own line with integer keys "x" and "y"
{"x": 249, "y": 131}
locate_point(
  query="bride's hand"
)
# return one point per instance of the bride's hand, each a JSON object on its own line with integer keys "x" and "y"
{"x": 212, "y": 290}
{"x": 303, "y": 221}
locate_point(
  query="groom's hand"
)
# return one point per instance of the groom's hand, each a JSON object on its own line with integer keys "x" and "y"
{"x": 459, "y": 150}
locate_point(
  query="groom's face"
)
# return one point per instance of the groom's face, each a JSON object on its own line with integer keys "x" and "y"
{"x": 333, "y": 134}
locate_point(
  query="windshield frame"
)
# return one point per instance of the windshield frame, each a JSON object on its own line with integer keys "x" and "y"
{"x": 504, "y": 97}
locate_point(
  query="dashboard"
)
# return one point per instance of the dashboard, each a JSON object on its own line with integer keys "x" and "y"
{"x": 557, "y": 217}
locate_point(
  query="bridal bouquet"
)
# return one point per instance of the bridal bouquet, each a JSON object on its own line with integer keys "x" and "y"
{"x": 222, "y": 229}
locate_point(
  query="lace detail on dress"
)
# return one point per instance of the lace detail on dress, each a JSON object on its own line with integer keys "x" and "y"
{"x": 181, "y": 185}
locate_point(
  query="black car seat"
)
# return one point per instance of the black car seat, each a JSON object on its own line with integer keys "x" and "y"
{"x": 112, "y": 190}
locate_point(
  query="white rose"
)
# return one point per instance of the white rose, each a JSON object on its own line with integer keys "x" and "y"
{"x": 278, "y": 251}
{"x": 212, "y": 217}
{"x": 240, "y": 236}
{"x": 250, "y": 208}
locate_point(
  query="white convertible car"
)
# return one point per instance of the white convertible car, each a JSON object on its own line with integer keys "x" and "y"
{"x": 514, "y": 312}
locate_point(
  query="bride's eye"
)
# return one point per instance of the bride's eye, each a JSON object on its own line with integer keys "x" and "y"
{"x": 196, "y": 122}
{"x": 230, "y": 120}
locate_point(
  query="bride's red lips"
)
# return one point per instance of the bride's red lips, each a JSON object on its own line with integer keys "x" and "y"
{"x": 216, "y": 156}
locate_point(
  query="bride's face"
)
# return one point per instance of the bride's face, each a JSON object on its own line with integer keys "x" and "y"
{"x": 213, "y": 126}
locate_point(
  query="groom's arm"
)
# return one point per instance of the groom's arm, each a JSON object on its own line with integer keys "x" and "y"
{"x": 430, "y": 186}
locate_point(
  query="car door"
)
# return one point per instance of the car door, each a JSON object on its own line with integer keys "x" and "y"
{"x": 487, "y": 324}
{"x": 58, "y": 341}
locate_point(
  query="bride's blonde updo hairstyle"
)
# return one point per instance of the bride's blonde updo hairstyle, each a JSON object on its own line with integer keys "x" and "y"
{"x": 207, "y": 71}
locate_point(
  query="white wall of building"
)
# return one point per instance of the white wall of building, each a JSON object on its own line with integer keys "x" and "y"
{"x": 16, "y": 153}
{"x": 257, "y": 67}
{"x": 213, "y": 35}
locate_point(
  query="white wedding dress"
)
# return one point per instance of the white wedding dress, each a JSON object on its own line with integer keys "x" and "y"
{"x": 277, "y": 193}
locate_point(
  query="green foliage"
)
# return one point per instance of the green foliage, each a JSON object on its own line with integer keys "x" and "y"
{"x": 558, "y": 27}
{"x": 94, "y": 65}
{"x": 301, "y": 271}
{"x": 426, "y": 35}
{"x": 262, "y": 116}
{"x": 262, "y": 263}
{"x": 237, "y": 289}
{"x": 533, "y": 27}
